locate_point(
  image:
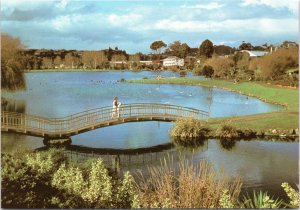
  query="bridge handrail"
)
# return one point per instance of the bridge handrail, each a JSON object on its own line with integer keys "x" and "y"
{"x": 95, "y": 116}
{"x": 94, "y": 110}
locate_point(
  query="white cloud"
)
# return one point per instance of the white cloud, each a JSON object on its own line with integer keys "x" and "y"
{"x": 62, "y": 4}
{"x": 124, "y": 20}
{"x": 210, "y": 6}
{"x": 263, "y": 26}
{"x": 292, "y": 5}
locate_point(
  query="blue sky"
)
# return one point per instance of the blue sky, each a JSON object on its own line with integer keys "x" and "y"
{"x": 133, "y": 25}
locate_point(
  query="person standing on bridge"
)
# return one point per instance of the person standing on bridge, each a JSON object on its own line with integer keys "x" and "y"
{"x": 115, "y": 107}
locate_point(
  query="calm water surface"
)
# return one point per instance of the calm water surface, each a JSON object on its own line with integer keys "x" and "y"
{"x": 262, "y": 164}
{"x": 58, "y": 94}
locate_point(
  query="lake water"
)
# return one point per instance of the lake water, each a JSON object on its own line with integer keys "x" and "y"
{"x": 60, "y": 94}
{"x": 262, "y": 164}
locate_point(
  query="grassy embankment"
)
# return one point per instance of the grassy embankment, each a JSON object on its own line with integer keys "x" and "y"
{"x": 282, "y": 120}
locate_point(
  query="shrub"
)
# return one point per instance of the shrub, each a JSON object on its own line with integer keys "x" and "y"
{"x": 47, "y": 180}
{"x": 26, "y": 178}
{"x": 208, "y": 71}
{"x": 274, "y": 65}
{"x": 182, "y": 73}
{"x": 223, "y": 67}
{"x": 96, "y": 189}
{"x": 197, "y": 71}
{"x": 188, "y": 129}
{"x": 227, "y": 132}
{"x": 260, "y": 200}
{"x": 247, "y": 134}
{"x": 292, "y": 194}
{"x": 184, "y": 185}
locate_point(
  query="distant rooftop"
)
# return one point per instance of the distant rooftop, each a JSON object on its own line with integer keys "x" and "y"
{"x": 255, "y": 53}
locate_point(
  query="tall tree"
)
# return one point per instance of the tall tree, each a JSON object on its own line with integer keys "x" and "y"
{"x": 12, "y": 63}
{"x": 206, "y": 48}
{"x": 178, "y": 49}
{"x": 94, "y": 59}
{"x": 157, "y": 45}
{"x": 246, "y": 46}
{"x": 71, "y": 60}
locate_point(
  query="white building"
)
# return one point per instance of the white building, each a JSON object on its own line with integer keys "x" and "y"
{"x": 173, "y": 61}
{"x": 255, "y": 53}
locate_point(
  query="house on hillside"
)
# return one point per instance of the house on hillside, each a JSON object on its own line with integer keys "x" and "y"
{"x": 173, "y": 61}
{"x": 253, "y": 53}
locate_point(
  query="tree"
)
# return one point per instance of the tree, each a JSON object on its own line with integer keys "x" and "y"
{"x": 157, "y": 45}
{"x": 246, "y": 46}
{"x": 47, "y": 63}
{"x": 12, "y": 63}
{"x": 71, "y": 60}
{"x": 222, "y": 67}
{"x": 208, "y": 71}
{"x": 178, "y": 49}
{"x": 206, "y": 48}
{"x": 223, "y": 50}
{"x": 94, "y": 59}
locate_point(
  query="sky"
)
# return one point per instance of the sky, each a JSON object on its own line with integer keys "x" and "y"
{"x": 132, "y": 25}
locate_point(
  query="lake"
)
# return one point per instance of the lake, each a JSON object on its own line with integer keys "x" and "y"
{"x": 58, "y": 94}
{"x": 262, "y": 164}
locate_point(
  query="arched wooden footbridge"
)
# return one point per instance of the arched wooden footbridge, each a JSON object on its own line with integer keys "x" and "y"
{"x": 93, "y": 119}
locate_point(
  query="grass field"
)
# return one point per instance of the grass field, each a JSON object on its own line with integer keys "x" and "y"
{"x": 284, "y": 120}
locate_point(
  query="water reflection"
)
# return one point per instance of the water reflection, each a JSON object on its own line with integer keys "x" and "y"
{"x": 13, "y": 105}
{"x": 227, "y": 143}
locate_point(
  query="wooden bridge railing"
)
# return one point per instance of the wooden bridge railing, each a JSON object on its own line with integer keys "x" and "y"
{"x": 90, "y": 118}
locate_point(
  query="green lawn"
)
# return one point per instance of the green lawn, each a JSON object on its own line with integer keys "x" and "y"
{"x": 285, "y": 120}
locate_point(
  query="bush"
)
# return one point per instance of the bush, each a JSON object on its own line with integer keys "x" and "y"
{"x": 189, "y": 128}
{"x": 47, "y": 180}
{"x": 227, "y": 132}
{"x": 26, "y": 178}
{"x": 197, "y": 71}
{"x": 96, "y": 189}
{"x": 274, "y": 65}
{"x": 292, "y": 194}
{"x": 223, "y": 67}
{"x": 182, "y": 73}
{"x": 208, "y": 71}
{"x": 260, "y": 200}
{"x": 184, "y": 185}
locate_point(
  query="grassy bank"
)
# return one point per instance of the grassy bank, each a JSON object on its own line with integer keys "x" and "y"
{"x": 284, "y": 120}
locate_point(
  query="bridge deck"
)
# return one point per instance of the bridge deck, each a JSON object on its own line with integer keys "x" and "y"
{"x": 93, "y": 119}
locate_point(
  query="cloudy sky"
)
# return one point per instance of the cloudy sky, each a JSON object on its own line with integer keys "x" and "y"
{"x": 134, "y": 24}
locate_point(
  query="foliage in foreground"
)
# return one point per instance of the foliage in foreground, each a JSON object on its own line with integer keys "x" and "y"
{"x": 193, "y": 186}
{"x": 48, "y": 180}
{"x": 260, "y": 200}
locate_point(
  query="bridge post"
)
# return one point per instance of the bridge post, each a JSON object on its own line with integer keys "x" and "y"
{"x": 60, "y": 129}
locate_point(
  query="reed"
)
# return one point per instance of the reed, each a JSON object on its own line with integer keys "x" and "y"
{"x": 185, "y": 185}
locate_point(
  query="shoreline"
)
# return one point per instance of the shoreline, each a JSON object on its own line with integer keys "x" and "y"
{"x": 281, "y": 122}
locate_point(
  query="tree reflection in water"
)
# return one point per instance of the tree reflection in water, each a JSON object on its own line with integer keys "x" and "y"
{"x": 12, "y": 105}
{"x": 227, "y": 143}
